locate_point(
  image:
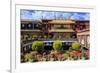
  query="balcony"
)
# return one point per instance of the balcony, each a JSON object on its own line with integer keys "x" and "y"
{"x": 61, "y": 30}
{"x": 26, "y": 30}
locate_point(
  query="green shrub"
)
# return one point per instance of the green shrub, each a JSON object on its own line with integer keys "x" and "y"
{"x": 65, "y": 55}
{"x": 37, "y": 45}
{"x": 76, "y": 45}
{"x": 57, "y": 45}
{"x": 28, "y": 57}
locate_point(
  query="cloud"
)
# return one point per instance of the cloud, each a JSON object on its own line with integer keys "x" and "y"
{"x": 26, "y": 14}
{"x": 67, "y": 15}
{"x": 33, "y": 14}
{"x": 80, "y": 16}
{"x": 37, "y": 15}
{"x": 48, "y": 15}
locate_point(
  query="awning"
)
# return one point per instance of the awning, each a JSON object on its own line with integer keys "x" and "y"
{"x": 60, "y": 21}
{"x": 61, "y": 30}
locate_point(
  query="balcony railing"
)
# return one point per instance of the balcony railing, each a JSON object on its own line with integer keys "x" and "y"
{"x": 48, "y": 41}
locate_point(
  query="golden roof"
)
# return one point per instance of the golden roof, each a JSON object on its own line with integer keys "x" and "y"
{"x": 61, "y": 30}
{"x": 60, "y": 21}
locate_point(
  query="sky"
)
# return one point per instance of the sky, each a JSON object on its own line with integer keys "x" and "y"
{"x": 38, "y": 15}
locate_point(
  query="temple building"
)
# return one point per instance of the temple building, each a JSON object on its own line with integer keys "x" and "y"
{"x": 50, "y": 30}
{"x": 83, "y": 32}
{"x": 49, "y": 26}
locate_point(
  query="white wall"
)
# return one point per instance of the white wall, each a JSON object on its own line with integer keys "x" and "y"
{"x": 5, "y": 36}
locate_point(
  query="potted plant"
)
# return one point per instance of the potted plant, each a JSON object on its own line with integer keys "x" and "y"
{"x": 75, "y": 53}
{"x": 57, "y": 45}
{"x": 37, "y": 47}
{"x": 76, "y": 45}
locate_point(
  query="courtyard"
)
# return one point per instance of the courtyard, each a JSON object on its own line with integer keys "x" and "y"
{"x": 54, "y": 36}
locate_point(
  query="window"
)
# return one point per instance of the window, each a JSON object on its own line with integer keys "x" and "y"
{"x": 61, "y": 26}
